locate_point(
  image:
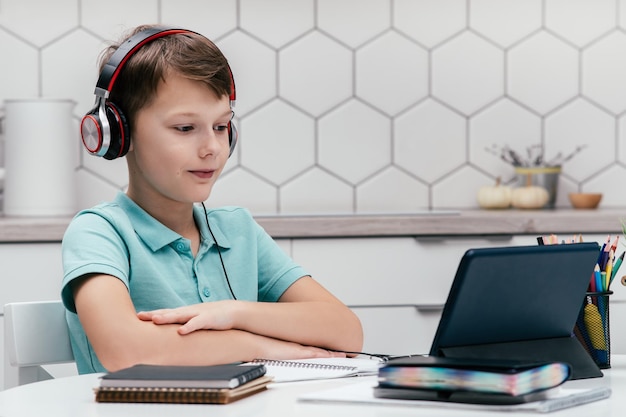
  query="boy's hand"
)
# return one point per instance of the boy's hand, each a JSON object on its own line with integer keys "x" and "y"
{"x": 279, "y": 350}
{"x": 216, "y": 315}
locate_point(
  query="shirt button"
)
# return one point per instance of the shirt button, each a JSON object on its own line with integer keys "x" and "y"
{"x": 206, "y": 292}
{"x": 180, "y": 246}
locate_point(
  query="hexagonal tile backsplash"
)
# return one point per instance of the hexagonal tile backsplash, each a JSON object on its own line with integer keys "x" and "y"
{"x": 363, "y": 106}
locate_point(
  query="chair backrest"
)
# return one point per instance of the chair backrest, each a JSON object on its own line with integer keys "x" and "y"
{"x": 35, "y": 334}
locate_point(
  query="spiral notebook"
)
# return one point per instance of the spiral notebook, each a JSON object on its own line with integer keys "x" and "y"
{"x": 174, "y": 395}
{"x": 319, "y": 368}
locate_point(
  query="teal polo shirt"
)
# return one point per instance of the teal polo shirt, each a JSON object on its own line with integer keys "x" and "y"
{"x": 157, "y": 266}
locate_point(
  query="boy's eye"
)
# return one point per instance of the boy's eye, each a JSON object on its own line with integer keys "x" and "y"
{"x": 221, "y": 128}
{"x": 184, "y": 128}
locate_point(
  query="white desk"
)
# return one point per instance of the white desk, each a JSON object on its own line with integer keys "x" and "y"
{"x": 73, "y": 397}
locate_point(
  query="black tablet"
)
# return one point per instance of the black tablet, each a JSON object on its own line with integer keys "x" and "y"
{"x": 519, "y": 302}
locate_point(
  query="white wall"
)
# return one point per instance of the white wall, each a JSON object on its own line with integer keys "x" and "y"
{"x": 350, "y": 106}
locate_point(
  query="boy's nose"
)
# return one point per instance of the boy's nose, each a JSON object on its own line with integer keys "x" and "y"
{"x": 209, "y": 143}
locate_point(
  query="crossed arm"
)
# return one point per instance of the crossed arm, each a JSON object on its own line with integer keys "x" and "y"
{"x": 305, "y": 322}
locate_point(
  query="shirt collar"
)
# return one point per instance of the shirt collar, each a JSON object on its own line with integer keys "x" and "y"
{"x": 201, "y": 221}
{"x": 155, "y": 234}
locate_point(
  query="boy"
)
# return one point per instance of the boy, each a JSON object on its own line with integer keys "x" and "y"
{"x": 152, "y": 277}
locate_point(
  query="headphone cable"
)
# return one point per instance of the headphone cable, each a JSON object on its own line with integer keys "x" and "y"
{"x": 219, "y": 252}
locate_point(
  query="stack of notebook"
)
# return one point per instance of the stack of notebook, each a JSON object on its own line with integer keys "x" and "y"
{"x": 218, "y": 384}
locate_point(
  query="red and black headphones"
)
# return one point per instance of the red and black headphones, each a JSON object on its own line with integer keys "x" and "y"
{"x": 104, "y": 130}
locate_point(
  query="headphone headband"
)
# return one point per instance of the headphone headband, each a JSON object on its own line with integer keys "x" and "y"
{"x": 116, "y": 62}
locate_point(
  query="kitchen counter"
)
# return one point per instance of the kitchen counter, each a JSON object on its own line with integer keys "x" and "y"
{"x": 423, "y": 224}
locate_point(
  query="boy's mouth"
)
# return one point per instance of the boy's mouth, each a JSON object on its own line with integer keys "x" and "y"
{"x": 203, "y": 173}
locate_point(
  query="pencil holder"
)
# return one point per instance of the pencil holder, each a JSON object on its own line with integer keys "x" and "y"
{"x": 592, "y": 327}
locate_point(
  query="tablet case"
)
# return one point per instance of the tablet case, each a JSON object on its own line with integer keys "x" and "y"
{"x": 447, "y": 377}
{"x": 519, "y": 303}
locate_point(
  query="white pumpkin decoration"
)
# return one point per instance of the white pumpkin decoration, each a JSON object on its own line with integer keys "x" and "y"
{"x": 530, "y": 196}
{"x": 496, "y": 196}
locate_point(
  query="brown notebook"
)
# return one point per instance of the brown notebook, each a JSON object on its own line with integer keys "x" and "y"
{"x": 180, "y": 395}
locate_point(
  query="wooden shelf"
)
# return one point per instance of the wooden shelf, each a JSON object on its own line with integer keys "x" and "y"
{"x": 438, "y": 223}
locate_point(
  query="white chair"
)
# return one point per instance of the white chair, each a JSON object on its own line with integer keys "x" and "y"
{"x": 35, "y": 334}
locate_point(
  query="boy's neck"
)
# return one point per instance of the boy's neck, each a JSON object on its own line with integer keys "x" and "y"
{"x": 173, "y": 215}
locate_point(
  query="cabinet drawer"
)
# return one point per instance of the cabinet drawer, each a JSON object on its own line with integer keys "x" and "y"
{"x": 30, "y": 271}
{"x": 386, "y": 271}
{"x": 398, "y": 330}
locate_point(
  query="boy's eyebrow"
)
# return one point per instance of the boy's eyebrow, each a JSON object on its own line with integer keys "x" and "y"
{"x": 226, "y": 113}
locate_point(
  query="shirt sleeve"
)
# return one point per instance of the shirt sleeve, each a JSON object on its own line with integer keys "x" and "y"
{"x": 277, "y": 270}
{"x": 91, "y": 244}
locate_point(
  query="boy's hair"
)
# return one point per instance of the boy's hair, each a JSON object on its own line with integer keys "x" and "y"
{"x": 188, "y": 54}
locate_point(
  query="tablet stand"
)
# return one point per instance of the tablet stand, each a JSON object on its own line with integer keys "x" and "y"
{"x": 558, "y": 349}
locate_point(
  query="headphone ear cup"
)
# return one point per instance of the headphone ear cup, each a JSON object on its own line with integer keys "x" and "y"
{"x": 91, "y": 131}
{"x": 232, "y": 136}
{"x": 120, "y": 132}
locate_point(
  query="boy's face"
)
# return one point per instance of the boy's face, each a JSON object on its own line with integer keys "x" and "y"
{"x": 179, "y": 143}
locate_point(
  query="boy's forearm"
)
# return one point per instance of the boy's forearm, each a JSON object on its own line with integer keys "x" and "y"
{"x": 161, "y": 344}
{"x": 324, "y": 324}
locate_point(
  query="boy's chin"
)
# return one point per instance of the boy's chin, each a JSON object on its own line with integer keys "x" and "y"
{"x": 199, "y": 195}
{"x": 201, "y": 198}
